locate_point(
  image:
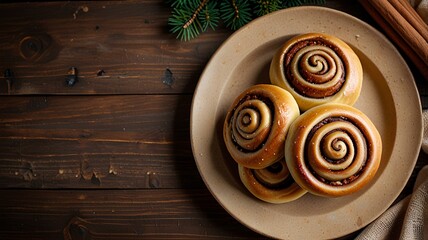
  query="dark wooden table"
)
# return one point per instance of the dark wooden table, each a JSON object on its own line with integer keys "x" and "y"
{"x": 108, "y": 157}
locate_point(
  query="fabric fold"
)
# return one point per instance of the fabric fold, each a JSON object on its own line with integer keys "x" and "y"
{"x": 407, "y": 219}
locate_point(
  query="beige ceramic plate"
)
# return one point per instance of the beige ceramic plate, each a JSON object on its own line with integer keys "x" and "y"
{"x": 389, "y": 97}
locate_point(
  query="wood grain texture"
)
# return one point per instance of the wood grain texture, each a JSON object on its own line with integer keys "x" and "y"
{"x": 126, "y": 141}
{"x": 120, "y": 214}
{"x": 110, "y": 156}
{"x": 118, "y": 47}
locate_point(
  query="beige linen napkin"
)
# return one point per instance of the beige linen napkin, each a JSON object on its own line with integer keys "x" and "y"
{"x": 408, "y": 219}
{"x": 421, "y": 7}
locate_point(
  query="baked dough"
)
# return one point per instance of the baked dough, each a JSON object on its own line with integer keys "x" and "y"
{"x": 333, "y": 150}
{"x": 256, "y": 125}
{"x": 273, "y": 184}
{"x": 317, "y": 68}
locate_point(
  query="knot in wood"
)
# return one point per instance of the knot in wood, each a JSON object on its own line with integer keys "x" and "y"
{"x": 153, "y": 180}
{"x": 71, "y": 77}
{"x": 77, "y": 228}
{"x": 8, "y": 76}
{"x": 36, "y": 46}
{"x": 31, "y": 47}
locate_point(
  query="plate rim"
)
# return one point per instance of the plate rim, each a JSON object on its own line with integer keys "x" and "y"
{"x": 284, "y": 11}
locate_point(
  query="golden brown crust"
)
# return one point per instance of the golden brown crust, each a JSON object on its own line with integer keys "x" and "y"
{"x": 273, "y": 184}
{"x": 256, "y": 125}
{"x": 317, "y": 68}
{"x": 333, "y": 150}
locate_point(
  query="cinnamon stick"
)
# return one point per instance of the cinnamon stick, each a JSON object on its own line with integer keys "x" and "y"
{"x": 410, "y": 14}
{"x": 396, "y": 38}
{"x": 403, "y": 28}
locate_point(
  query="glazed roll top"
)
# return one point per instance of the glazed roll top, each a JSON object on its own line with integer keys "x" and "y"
{"x": 272, "y": 184}
{"x": 316, "y": 69}
{"x": 256, "y": 125}
{"x": 333, "y": 150}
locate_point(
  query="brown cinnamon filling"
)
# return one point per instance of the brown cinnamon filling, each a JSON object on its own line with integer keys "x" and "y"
{"x": 321, "y": 179}
{"x": 275, "y": 168}
{"x": 311, "y": 77}
{"x": 247, "y": 97}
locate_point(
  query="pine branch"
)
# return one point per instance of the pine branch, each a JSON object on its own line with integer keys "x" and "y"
{"x": 177, "y": 3}
{"x": 315, "y": 2}
{"x": 189, "y": 18}
{"x": 264, "y": 7}
{"x": 209, "y": 16}
{"x": 195, "y": 14}
{"x": 235, "y": 13}
{"x": 292, "y": 3}
{"x": 184, "y": 19}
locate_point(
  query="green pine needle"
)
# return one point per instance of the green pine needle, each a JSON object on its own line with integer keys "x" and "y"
{"x": 209, "y": 16}
{"x": 264, "y": 7}
{"x": 185, "y": 20}
{"x": 235, "y": 13}
{"x": 292, "y": 3}
{"x": 315, "y": 2}
{"x": 189, "y": 18}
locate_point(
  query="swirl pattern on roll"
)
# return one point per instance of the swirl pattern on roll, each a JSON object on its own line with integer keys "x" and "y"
{"x": 317, "y": 68}
{"x": 256, "y": 125}
{"x": 272, "y": 184}
{"x": 333, "y": 150}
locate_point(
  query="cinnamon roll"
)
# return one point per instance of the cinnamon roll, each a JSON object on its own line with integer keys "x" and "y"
{"x": 273, "y": 184}
{"x": 256, "y": 125}
{"x": 333, "y": 150}
{"x": 316, "y": 69}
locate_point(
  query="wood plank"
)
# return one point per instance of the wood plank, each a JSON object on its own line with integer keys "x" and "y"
{"x": 122, "y": 141}
{"x": 116, "y": 214}
{"x": 118, "y": 47}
